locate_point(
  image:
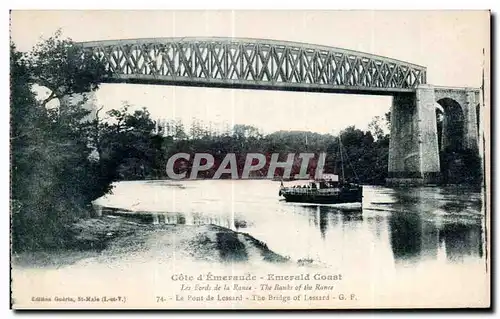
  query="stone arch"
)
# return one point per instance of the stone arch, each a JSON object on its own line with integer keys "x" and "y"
{"x": 451, "y": 118}
{"x": 451, "y": 124}
{"x": 417, "y": 152}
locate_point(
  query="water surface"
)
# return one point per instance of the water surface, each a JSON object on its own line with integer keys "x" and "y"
{"x": 414, "y": 247}
{"x": 406, "y": 226}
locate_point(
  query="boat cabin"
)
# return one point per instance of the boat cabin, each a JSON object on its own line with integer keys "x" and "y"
{"x": 326, "y": 181}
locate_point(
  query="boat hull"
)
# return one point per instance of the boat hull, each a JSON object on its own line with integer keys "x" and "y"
{"x": 347, "y": 196}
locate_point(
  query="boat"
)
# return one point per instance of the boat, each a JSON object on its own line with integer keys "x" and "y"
{"x": 323, "y": 191}
{"x": 327, "y": 189}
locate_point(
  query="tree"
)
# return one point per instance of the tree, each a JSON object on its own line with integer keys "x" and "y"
{"x": 380, "y": 126}
{"x": 130, "y": 146}
{"x": 375, "y": 126}
{"x": 245, "y": 131}
{"x": 64, "y": 67}
{"x": 179, "y": 132}
{"x": 54, "y": 178}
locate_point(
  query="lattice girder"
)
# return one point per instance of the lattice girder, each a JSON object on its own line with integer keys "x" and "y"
{"x": 253, "y": 63}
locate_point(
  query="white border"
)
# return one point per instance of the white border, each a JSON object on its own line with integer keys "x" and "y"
{"x": 257, "y": 4}
{"x": 199, "y": 4}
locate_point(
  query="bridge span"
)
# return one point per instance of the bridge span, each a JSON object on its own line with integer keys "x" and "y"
{"x": 239, "y": 63}
{"x": 254, "y": 64}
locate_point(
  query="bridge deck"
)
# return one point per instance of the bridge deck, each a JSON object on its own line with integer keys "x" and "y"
{"x": 254, "y": 64}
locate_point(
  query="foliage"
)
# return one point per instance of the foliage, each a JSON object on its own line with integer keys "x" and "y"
{"x": 460, "y": 166}
{"x": 365, "y": 159}
{"x": 62, "y": 160}
{"x": 64, "y": 67}
{"x": 128, "y": 145}
{"x": 54, "y": 178}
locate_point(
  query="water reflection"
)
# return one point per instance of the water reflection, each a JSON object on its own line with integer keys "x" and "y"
{"x": 325, "y": 217}
{"x": 178, "y": 218}
{"x": 394, "y": 226}
{"x": 428, "y": 223}
{"x": 461, "y": 241}
{"x": 406, "y": 235}
{"x": 323, "y": 221}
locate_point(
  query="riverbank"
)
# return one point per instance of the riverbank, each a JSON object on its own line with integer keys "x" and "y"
{"x": 113, "y": 237}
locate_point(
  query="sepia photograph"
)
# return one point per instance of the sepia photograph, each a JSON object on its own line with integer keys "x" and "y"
{"x": 246, "y": 159}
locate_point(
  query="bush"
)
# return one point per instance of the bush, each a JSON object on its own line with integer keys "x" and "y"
{"x": 53, "y": 177}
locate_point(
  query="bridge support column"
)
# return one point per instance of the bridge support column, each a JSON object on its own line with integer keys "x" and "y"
{"x": 413, "y": 148}
{"x": 471, "y": 129}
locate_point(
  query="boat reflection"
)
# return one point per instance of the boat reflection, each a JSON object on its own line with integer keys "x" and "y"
{"x": 398, "y": 226}
{"x": 326, "y": 217}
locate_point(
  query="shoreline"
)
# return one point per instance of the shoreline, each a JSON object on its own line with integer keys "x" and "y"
{"x": 110, "y": 237}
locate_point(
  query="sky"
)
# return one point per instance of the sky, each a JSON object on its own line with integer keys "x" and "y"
{"x": 448, "y": 43}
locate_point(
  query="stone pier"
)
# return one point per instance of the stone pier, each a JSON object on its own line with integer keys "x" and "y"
{"x": 413, "y": 148}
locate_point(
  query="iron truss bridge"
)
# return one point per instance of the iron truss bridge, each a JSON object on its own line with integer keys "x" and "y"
{"x": 253, "y": 64}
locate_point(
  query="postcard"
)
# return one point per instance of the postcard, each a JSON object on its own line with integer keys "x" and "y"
{"x": 250, "y": 159}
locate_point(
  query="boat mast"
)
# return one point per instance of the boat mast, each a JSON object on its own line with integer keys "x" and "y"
{"x": 341, "y": 158}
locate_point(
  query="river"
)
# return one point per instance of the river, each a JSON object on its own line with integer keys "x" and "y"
{"x": 408, "y": 247}
{"x": 395, "y": 226}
